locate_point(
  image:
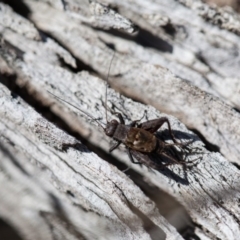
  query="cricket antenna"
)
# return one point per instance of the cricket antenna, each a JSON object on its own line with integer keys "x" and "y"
{"x": 87, "y": 114}
{"x": 106, "y": 115}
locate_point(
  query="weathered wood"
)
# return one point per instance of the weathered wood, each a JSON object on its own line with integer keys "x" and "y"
{"x": 132, "y": 73}
{"x": 81, "y": 182}
{"x": 80, "y": 177}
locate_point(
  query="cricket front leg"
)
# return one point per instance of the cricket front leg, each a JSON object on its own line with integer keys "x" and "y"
{"x": 114, "y": 146}
{"x": 118, "y": 114}
{"x": 120, "y": 117}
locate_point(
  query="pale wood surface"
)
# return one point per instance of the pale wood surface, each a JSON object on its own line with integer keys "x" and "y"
{"x": 182, "y": 61}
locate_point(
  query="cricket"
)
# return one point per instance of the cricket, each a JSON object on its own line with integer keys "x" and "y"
{"x": 142, "y": 144}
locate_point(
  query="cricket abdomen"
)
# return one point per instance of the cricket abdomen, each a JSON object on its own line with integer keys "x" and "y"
{"x": 141, "y": 140}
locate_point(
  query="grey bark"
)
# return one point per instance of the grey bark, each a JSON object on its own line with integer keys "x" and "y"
{"x": 53, "y": 186}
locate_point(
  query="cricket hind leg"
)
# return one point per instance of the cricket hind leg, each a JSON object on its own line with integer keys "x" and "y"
{"x": 182, "y": 158}
{"x": 172, "y": 161}
{"x": 153, "y": 125}
{"x": 182, "y": 154}
{"x": 150, "y": 161}
{"x": 185, "y": 167}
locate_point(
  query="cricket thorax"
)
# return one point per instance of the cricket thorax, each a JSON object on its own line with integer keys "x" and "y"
{"x": 141, "y": 140}
{"x": 121, "y": 132}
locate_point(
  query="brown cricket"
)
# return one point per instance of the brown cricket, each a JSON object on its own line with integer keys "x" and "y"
{"x": 140, "y": 139}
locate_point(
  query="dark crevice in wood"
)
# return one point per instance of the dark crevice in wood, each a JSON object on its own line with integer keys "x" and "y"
{"x": 143, "y": 38}
{"x": 80, "y": 66}
{"x": 8, "y": 232}
{"x": 19, "y": 7}
{"x": 236, "y": 165}
{"x": 147, "y": 39}
{"x": 237, "y": 109}
{"x": 188, "y": 233}
{"x": 169, "y": 29}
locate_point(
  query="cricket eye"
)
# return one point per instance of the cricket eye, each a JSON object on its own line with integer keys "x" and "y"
{"x": 111, "y": 127}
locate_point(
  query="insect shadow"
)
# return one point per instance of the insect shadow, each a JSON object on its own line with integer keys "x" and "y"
{"x": 143, "y": 144}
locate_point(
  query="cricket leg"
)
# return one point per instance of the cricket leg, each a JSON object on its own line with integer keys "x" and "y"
{"x": 114, "y": 146}
{"x": 174, "y": 161}
{"x": 132, "y": 160}
{"x": 120, "y": 117}
{"x": 135, "y": 122}
{"x": 153, "y": 125}
{"x": 166, "y": 165}
{"x": 131, "y": 157}
{"x": 144, "y": 159}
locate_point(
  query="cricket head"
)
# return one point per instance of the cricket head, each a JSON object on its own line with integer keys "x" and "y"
{"x": 111, "y": 127}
